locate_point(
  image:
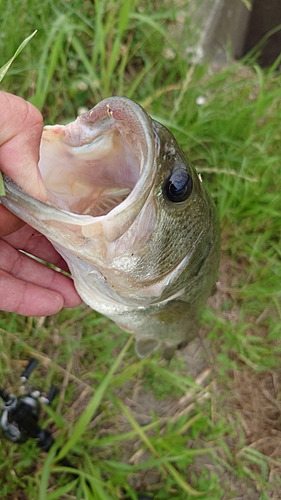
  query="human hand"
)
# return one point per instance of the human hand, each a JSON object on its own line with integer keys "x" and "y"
{"x": 21, "y": 126}
{"x": 27, "y": 286}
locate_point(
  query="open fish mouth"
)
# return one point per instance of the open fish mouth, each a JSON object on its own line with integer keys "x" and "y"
{"x": 92, "y": 165}
{"x": 98, "y": 172}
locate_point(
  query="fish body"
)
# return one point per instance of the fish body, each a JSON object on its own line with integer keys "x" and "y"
{"x": 130, "y": 216}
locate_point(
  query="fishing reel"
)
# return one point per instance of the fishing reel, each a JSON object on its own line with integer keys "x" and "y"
{"x": 20, "y": 414}
{"x": 19, "y": 418}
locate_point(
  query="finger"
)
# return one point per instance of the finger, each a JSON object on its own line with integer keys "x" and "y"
{"x": 33, "y": 242}
{"x": 29, "y": 270}
{"x": 26, "y": 298}
{"x": 21, "y": 127}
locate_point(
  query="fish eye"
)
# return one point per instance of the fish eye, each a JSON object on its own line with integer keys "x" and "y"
{"x": 178, "y": 187}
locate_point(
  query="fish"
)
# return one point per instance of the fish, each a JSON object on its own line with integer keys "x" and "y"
{"x": 131, "y": 217}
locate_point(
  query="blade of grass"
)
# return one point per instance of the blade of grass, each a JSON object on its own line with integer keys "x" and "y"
{"x": 87, "y": 415}
{"x": 3, "y": 72}
{"x": 95, "y": 481}
{"x": 96, "y": 488}
{"x": 99, "y": 45}
{"x": 46, "y": 474}
{"x": 130, "y": 92}
{"x": 87, "y": 479}
{"x": 124, "y": 16}
{"x": 80, "y": 51}
{"x": 63, "y": 490}
{"x": 6, "y": 66}
{"x": 169, "y": 468}
{"x": 152, "y": 462}
{"x": 111, "y": 65}
{"x": 62, "y": 28}
{"x": 146, "y": 20}
{"x": 2, "y": 186}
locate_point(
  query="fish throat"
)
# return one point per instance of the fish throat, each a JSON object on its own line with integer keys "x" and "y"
{"x": 93, "y": 165}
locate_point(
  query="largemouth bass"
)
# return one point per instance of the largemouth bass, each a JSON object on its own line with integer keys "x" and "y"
{"x": 130, "y": 216}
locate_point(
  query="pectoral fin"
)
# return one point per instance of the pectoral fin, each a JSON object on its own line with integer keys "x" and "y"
{"x": 144, "y": 347}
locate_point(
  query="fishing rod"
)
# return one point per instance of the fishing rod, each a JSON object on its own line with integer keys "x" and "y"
{"x": 19, "y": 419}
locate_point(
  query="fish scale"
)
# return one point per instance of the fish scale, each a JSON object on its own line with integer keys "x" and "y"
{"x": 146, "y": 256}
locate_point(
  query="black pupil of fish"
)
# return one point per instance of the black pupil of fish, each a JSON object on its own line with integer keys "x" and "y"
{"x": 179, "y": 186}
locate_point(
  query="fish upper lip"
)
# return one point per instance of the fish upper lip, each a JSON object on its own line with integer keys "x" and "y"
{"x": 123, "y": 117}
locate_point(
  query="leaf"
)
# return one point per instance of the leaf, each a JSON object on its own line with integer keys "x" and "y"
{"x": 2, "y": 186}
{"x": 6, "y": 66}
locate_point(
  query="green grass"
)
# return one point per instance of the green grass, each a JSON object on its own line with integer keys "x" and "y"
{"x": 83, "y": 52}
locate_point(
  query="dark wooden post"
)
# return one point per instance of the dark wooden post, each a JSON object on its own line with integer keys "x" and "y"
{"x": 265, "y": 16}
{"x": 229, "y": 28}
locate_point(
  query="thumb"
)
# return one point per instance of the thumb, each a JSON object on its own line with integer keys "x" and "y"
{"x": 21, "y": 127}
